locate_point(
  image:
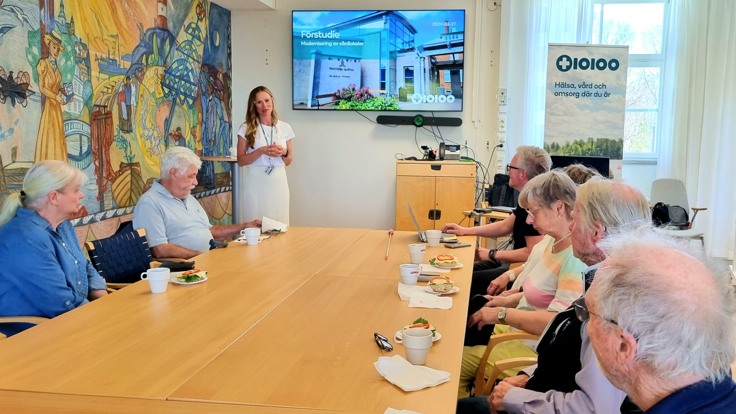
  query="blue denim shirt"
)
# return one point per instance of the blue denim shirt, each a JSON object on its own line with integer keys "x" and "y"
{"x": 42, "y": 272}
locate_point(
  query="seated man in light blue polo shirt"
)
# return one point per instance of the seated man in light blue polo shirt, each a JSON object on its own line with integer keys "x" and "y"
{"x": 176, "y": 224}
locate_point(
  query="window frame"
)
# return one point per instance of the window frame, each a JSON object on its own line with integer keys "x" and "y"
{"x": 642, "y": 60}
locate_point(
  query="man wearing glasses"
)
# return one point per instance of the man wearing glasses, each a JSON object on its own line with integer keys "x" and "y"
{"x": 664, "y": 340}
{"x": 567, "y": 377}
{"x": 527, "y": 163}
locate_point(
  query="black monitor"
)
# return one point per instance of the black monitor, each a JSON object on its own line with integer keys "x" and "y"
{"x": 601, "y": 164}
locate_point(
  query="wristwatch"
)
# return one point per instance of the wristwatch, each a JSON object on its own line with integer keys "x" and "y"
{"x": 286, "y": 154}
{"x": 492, "y": 254}
{"x": 501, "y": 315}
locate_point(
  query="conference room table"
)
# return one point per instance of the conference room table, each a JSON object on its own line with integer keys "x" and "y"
{"x": 281, "y": 327}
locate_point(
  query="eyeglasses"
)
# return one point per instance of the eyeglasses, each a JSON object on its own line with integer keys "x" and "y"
{"x": 532, "y": 213}
{"x": 583, "y": 314}
{"x": 510, "y": 167}
{"x": 382, "y": 342}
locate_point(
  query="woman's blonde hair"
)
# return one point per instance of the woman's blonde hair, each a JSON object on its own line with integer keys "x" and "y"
{"x": 548, "y": 188}
{"x": 41, "y": 179}
{"x": 251, "y": 115}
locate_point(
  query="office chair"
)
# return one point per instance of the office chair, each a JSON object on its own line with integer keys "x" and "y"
{"x": 671, "y": 191}
{"x": 120, "y": 259}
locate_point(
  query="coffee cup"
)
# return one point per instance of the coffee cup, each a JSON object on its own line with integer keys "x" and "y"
{"x": 416, "y": 252}
{"x": 433, "y": 237}
{"x": 252, "y": 235}
{"x": 158, "y": 278}
{"x": 409, "y": 273}
{"x": 417, "y": 342}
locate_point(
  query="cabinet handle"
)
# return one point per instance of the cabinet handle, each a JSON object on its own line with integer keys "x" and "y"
{"x": 436, "y": 167}
{"x": 435, "y": 214}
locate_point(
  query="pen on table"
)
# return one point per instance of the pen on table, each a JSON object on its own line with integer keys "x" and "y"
{"x": 390, "y": 234}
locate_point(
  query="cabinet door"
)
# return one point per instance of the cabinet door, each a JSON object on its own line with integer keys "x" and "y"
{"x": 419, "y": 192}
{"x": 453, "y": 196}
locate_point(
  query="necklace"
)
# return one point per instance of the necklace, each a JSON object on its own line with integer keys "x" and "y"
{"x": 561, "y": 239}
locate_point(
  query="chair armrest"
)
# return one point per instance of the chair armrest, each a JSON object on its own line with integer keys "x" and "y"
{"x": 501, "y": 366}
{"x": 695, "y": 210}
{"x": 480, "y": 383}
{"x": 23, "y": 319}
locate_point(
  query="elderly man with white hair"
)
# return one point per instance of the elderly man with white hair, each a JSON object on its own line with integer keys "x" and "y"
{"x": 664, "y": 340}
{"x": 176, "y": 224}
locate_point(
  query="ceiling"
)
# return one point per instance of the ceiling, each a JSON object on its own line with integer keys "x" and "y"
{"x": 247, "y": 4}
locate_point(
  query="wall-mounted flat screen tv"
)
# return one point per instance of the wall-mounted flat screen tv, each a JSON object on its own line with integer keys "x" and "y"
{"x": 378, "y": 60}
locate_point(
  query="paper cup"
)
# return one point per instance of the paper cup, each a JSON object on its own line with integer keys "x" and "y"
{"x": 158, "y": 279}
{"x": 416, "y": 252}
{"x": 252, "y": 235}
{"x": 417, "y": 342}
{"x": 433, "y": 237}
{"x": 409, "y": 273}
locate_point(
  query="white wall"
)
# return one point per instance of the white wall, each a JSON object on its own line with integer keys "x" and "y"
{"x": 343, "y": 174}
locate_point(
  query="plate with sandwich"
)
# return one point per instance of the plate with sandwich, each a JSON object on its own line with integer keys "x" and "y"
{"x": 419, "y": 323}
{"x": 445, "y": 261}
{"x": 190, "y": 277}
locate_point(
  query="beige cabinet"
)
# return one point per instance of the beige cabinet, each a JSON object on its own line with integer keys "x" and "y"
{"x": 438, "y": 192}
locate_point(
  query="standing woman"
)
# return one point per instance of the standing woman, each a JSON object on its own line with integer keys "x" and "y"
{"x": 264, "y": 149}
{"x": 44, "y": 272}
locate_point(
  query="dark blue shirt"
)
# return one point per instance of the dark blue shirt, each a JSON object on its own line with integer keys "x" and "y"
{"x": 701, "y": 397}
{"x": 43, "y": 272}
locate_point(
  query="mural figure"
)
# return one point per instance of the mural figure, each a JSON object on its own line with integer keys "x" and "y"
{"x": 125, "y": 97}
{"x": 51, "y": 144}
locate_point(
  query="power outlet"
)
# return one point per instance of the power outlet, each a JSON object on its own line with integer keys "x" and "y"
{"x": 502, "y": 96}
{"x": 502, "y": 123}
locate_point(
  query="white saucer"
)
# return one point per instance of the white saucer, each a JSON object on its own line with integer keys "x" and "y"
{"x": 457, "y": 266}
{"x": 400, "y": 334}
{"x": 452, "y": 291}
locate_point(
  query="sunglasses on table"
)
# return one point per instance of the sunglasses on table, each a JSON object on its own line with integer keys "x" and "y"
{"x": 382, "y": 342}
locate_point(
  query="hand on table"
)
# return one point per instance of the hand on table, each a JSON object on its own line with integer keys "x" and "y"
{"x": 453, "y": 228}
{"x": 481, "y": 254}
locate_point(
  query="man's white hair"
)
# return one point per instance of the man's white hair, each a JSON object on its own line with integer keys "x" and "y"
{"x": 679, "y": 331}
{"x": 179, "y": 158}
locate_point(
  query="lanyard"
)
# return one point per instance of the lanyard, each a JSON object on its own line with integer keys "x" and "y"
{"x": 264, "y": 135}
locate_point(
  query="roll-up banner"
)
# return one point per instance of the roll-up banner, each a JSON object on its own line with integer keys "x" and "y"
{"x": 586, "y": 101}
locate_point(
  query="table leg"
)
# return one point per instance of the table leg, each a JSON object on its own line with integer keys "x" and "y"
{"x": 235, "y": 193}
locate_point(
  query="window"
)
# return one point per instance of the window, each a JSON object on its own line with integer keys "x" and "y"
{"x": 641, "y": 25}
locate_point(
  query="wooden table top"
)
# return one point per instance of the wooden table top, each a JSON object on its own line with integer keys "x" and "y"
{"x": 264, "y": 330}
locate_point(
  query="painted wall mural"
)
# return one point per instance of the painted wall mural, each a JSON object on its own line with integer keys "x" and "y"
{"x": 109, "y": 85}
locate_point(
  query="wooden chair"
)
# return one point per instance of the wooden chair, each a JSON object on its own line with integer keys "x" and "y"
{"x": 121, "y": 258}
{"x": 484, "y": 383}
{"x": 671, "y": 191}
{"x": 35, "y": 320}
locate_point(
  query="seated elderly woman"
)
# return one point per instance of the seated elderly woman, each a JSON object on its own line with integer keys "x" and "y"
{"x": 548, "y": 282}
{"x": 44, "y": 272}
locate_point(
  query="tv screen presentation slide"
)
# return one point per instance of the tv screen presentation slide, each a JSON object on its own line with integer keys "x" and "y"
{"x": 386, "y": 60}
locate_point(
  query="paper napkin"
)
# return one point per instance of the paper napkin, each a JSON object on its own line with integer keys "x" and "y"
{"x": 390, "y": 410}
{"x": 268, "y": 224}
{"x": 408, "y": 377}
{"x": 406, "y": 291}
{"x": 424, "y": 299}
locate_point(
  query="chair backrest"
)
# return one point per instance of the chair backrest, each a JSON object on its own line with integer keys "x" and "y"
{"x": 121, "y": 258}
{"x": 669, "y": 191}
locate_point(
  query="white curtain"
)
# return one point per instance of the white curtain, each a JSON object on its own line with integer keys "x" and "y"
{"x": 699, "y": 114}
{"x": 527, "y": 28}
